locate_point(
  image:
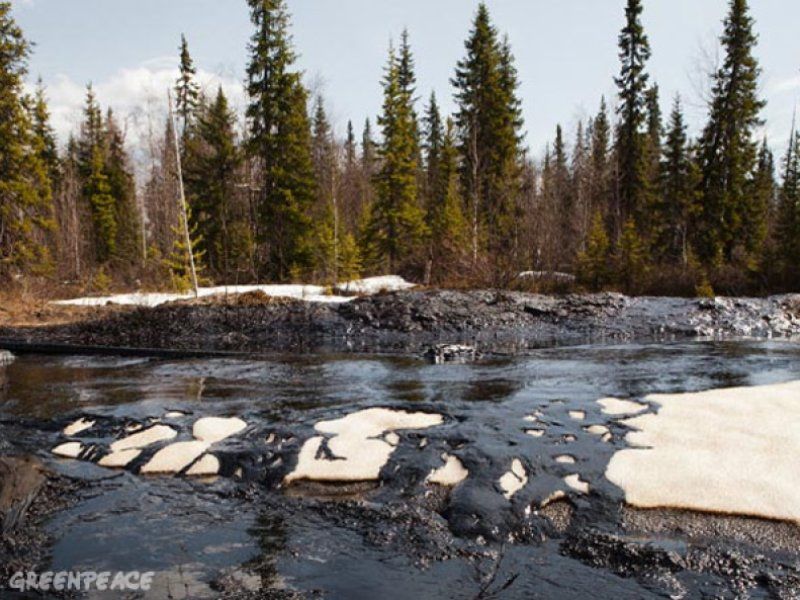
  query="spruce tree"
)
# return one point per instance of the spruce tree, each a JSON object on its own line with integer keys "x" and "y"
{"x": 788, "y": 214}
{"x": 728, "y": 150}
{"x": 280, "y": 144}
{"x": 213, "y": 160}
{"x": 634, "y": 52}
{"x": 594, "y": 269}
{"x": 396, "y": 226}
{"x": 25, "y": 186}
{"x": 677, "y": 204}
{"x": 187, "y": 90}
{"x": 489, "y": 122}
{"x": 326, "y": 212}
{"x": 600, "y": 159}
{"x": 122, "y": 186}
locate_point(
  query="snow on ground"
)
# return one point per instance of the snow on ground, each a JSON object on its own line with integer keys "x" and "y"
{"x": 309, "y": 293}
{"x": 729, "y": 451}
{"x": 356, "y": 451}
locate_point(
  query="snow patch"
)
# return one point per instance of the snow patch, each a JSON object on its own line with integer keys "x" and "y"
{"x": 514, "y": 480}
{"x": 205, "y": 467}
{"x": 450, "y": 474}
{"x": 175, "y": 457}
{"x": 157, "y": 433}
{"x": 309, "y": 293}
{"x": 216, "y": 429}
{"x": 616, "y": 407}
{"x": 77, "y": 427}
{"x": 68, "y": 450}
{"x": 358, "y": 450}
{"x": 375, "y": 285}
{"x": 727, "y": 451}
{"x": 120, "y": 459}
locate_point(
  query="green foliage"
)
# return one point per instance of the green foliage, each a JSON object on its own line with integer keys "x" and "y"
{"x": 634, "y": 52}
{"x": 489, "y": 121}
{"x": 677, "y": 203}
{"x": 187, "y": 90}
{"x": 178, "y": 263}
{"x": 280, "y": 141}
{"x": 210, "y": 167}
{"x": 25, "y": 184}
{"x": 594, "y": 268}
{"x": 97, "y": 191}
{"x": 728, "y": 151}
{"x": 396, "y": 225}
{"x": 631, "y": 259}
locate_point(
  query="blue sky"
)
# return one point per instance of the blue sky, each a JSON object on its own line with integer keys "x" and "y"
{"x": 565, "y": 49}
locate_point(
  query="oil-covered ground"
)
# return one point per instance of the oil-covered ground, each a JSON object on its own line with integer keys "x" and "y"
{"x": 246, "y": 534}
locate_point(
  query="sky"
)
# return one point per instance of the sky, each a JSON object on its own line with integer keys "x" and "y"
{"x": 566, "y": 54}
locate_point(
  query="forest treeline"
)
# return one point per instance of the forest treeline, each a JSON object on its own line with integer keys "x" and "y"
{"x": 632, "y": 203}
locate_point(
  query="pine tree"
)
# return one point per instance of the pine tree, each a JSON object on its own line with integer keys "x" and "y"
{"x": 45, "y": 135}
{"x": 674, "y": 212}
{"x": 326, "y": 212}
{"x": 631, "y": 142}
{"x": 350, "y": 151}
{"x": 600, "y": 159}
{"x": 593, "y": 263}
{"x": 443, "y": 215}
{"x": 728, "y": 150}
{"x": 280, "y": 144}
{"x": 396, "y": 226}
{"x": 187, "y": 90}
{"x": 211, "y": 167}
{"x": 25, "y": 186}
{"x": 631, "y": 259}
{"x": 563, "y": 200}
{"x": 489, "y": 121}
{"x": 788, "y": 213}
{"x": 122, "y": 188}
{"x": 97, "y": 191}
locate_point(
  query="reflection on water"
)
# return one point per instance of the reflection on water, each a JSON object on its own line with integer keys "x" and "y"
{"x": 224, "y": 527}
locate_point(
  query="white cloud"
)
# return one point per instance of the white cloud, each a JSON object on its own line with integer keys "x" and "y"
{"x": 786, "y": 85}
{"x": 138, "y": 97}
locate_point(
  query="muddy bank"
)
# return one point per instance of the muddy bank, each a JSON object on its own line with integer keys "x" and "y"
{"x": 30, "y": 494}
{"x": 495, "y": 321}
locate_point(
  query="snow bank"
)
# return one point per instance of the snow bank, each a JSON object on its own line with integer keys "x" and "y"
{"x": 729, "y": 451}
{"x": 309, "y": 293}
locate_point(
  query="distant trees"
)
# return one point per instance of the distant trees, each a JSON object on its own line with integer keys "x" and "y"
{"x": 627, "y": 200}
{"x": 26, "y": 210}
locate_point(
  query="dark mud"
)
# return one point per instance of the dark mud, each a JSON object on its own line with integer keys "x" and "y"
{"x": 495, "y": 321}
{"x": 245, "y": 535}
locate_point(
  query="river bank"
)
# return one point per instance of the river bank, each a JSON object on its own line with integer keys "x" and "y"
{"x": 405, "y": 322}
